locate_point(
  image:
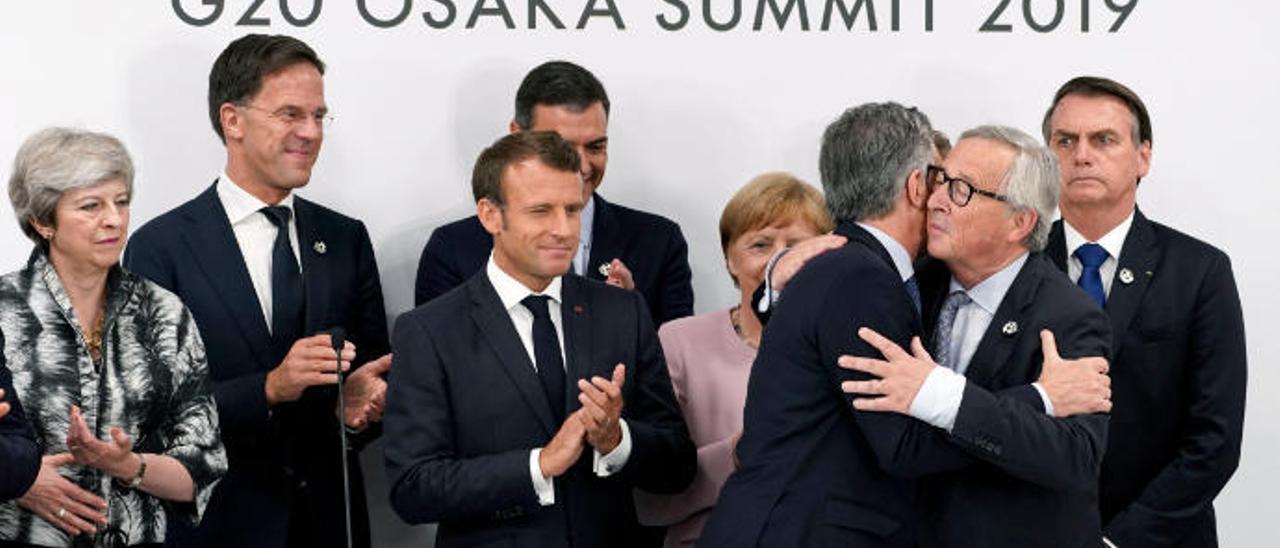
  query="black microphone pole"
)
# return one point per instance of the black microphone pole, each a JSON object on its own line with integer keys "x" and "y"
{"x": 338, "y": 337}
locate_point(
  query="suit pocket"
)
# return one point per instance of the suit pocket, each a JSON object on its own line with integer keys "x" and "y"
{"x": 852, "y": 515}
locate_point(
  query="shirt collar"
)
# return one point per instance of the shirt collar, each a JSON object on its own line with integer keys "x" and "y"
{"x": 588, "y": 220}
{"x": 988, "y": 293}
{"x": 1112, "y": 241}
{"x": 901, "y": 259}
{"x": 239, "y": 204}
{"x": 511, "y": 291}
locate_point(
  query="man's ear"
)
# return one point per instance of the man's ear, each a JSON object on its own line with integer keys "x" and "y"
{"x": 490, "y": 215}
{"x": 232, "y": 121}
{"x": 1024, "y": 222}
{"x": 917, "y": 190}
{"x": 513, "y": 127}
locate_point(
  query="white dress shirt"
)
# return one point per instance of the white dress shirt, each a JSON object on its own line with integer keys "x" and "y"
{"x": 511, "y": 292}
{"x": 588, "y": 223}
{"x": 1112, "y": 241}
{"x": 256, "y": 236}
{"x": 938, "y": 401}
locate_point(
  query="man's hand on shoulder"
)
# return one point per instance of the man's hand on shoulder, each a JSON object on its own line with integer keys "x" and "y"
{"x": 1075, "y": 387}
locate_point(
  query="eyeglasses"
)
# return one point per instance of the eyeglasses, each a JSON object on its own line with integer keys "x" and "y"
{"x": 959, "y": 190}
{"x": 292, "y": 116}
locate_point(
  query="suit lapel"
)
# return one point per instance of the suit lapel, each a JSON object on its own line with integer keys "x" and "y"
{"x": 1139, "y": 257}
{"x": 604, "y": 239}
{"x": 213, "y": 244}
{"x": 495, "y": 323}
{"x": 993, "y": 352}
{"x": 1056, "y": 250}
{"x": 575, "y": 315}
{"x": 315, "y": 266}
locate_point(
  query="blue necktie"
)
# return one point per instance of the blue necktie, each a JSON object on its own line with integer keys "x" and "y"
{"x": 286, "y": 283}
{"x": 546, "y": 353}
{"x": 1091, "y": 257}
{"x": 913, "y": 289}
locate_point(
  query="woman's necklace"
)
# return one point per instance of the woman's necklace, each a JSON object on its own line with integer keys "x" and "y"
{"x": 94, "y": 340}
{"x": 735, "y": 317}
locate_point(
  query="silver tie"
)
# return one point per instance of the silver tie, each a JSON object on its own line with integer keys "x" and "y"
{"x": 946, "y": 320}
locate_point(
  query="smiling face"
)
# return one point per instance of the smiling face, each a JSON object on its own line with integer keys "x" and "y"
{"x": 90, "y": 227}
{"x": 273, "y": 139}
{"x": 535, "y": 231}
{"x": 979, "y": 238}
{"x": 1093, "y": 139}
{"x": 587, "y": 130}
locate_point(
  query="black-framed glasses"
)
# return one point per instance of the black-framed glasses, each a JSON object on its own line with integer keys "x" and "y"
{"x": 959, "y": 190}
{"x": 292, "y": 116}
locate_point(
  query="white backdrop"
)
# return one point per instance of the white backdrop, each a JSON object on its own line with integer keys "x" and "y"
{"x": 697, "y": 113}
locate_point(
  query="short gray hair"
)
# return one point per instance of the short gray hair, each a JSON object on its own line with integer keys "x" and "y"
{"x": 867, "y": 154}
{"x": 57, "y": 160}
{"x": 1032, "y": 180}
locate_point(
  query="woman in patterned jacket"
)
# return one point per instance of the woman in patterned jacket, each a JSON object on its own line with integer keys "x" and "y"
{"x": 110, "y": 367}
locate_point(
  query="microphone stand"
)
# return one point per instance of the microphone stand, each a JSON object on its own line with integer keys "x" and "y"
{"x": 337, "y": 337}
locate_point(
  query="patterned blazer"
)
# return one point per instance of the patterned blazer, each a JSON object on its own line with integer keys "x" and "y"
{"x": 152, "y": 382}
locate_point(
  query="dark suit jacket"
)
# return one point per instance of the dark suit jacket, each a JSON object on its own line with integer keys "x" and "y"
{"x": 814, "y": 472}
{"x": 466, "y": 408}
{"x": 19, "y": 454}
{"x": 285, "y": 461}
{"x": 650, "y": 245}
{"x": 1178, "y": 385}
{"x": 1038, "y": 486}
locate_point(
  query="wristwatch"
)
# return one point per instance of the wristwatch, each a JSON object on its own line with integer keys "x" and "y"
{"x": 137, "y": 480}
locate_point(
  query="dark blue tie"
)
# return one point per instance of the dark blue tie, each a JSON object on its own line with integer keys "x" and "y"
{"x": 1091, "y": 257}
{"x": 546, "y": 353}
{"x": 286, "y": 283}
{"x": 913, "y": 289}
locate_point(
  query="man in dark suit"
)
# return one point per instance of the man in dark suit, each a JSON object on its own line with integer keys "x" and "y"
{"x": 486, "y": 431}
{"x": 813, "y": 472}
{"x": 988, "y": 217}
{"x": 260, "y": 269}
{"x": 19, "y": 454}
{"x": 1179, "y": 354}
{"x": 621, "y": 246}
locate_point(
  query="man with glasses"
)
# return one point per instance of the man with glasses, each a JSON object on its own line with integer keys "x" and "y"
{"x": 993, "y": 307}
{"x": 263, "y": 271}
{"x": 1180, "y": 362}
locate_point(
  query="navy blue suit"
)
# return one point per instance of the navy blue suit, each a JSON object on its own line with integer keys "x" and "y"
{"x": 19, "y": 454}
{"x": 1038, "y": 486}
{"x": 285, "y": 467}
{"x": 1178, "y": 385}
{"x": 466, "y": 407}
{"x": 650, "y": 245}
{"x": 813, "y": 471}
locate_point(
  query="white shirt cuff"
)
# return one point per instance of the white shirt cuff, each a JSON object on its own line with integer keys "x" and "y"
{"x": 770, "y": 296}
{"x": 1108, "y": 542}
{"x": 544, "y": 487}
{"x": 608, "y": 465}
{"x": 1044, "y": 397}
{"x": 938, "y": 401}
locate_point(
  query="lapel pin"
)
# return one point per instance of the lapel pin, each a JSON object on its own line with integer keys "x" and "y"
{"x": 1010, "y": 329}
{"x": 604, "y": 269}
{"x": 1126, "y": 276}
{"x": 319, "y": 247}
{"x": 577, "y": 309}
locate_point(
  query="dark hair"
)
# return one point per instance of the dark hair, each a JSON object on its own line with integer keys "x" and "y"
{"x": 237, "y": 74}
{"x": 1094, "y": 86}
{"x": 558, "y": 83}
{"x": 547, "y": 146}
